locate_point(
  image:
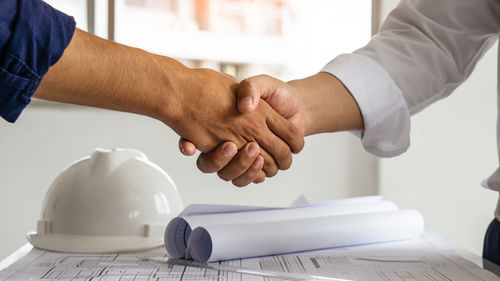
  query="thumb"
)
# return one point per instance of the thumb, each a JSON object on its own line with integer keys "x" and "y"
{"x": 251, "y": 90}
{"x": 187, "y": 148}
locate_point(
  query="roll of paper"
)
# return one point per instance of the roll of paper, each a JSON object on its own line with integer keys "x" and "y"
{"x": 231, "y": 241}
{"x": 179, "y": 229}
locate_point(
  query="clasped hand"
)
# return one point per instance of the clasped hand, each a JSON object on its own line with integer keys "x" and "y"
{"x": 208, "y": 119}
{"x": 241, "y": 137}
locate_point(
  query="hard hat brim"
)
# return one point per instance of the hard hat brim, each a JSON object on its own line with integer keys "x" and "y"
{"x": 92, "y": 244}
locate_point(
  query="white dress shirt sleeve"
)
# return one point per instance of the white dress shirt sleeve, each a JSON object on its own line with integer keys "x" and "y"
{"x": 424, "y": 50}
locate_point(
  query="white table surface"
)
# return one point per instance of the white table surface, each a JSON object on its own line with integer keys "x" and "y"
{"x": 476, "y": 259}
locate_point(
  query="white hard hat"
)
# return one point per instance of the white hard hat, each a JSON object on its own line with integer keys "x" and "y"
{"x": 113, "y": 201}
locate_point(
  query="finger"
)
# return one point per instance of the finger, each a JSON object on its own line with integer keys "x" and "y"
{"x": 251, "y": 174}
{"x": 275, "y": 92}
{"x": 187, "y": 148}
{"x": 282, "y": 128}
{"x": 261, "y": 177}
{"x": 272, "y": 143}
{"x": 241, "y": 162}
{"x": 215, "y": 160}
{"x": 286, "y": 130}
{"x": 251, "y": 90}
{"x": 270, "y": 167}
{"x": 279, "y": 151}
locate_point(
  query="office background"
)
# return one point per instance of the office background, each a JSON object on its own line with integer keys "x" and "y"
{"x": 453, "y": 142}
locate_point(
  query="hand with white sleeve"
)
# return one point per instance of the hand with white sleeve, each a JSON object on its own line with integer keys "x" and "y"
{"x": 316, "y": 104}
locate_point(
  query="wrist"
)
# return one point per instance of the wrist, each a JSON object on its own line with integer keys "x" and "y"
{"x": 328, "y": 105}
{"x": 306, "y": 103}
{"x": 173, "y": 80}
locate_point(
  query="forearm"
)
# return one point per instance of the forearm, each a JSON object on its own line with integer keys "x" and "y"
{"x": 100, "y": 73}
{"x": 328, "y": 105}
{"x": 198, "y": 104}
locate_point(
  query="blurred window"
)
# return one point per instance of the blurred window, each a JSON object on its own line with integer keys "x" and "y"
{"x": 283, "y": 38}
{"x": 75, "y": 8}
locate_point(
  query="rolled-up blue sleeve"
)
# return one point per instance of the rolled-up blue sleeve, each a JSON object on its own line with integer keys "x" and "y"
{"x": 33, "y": 36}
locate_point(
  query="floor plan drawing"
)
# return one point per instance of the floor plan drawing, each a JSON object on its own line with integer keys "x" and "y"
{"x": 384, "y": 262}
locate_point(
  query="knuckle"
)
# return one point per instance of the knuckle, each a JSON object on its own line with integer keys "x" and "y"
{"x": 302, "y": 143}
{"x": 294, "y": 138}
{"x": 293, "y": 132}
{"x": 251, "y": 174}
{"x": 254, "y": 129}
{"x": 284, "y": 158}
{"x": 240, "y": 165}
{"x": 259, "y": 180}
{"x": 214, "y": 167}
{"x": 288, "y": 163}
{"x": 249, "y": 85}
{"x": 299, "y": 145}
{"x": 270, "y": 167}
{"x": 242, "y": 162}
{"x": 208, "y": 163}
{"x": 215, "y": 161}
{"x": 202, "y": 164}
{"x": 262, "y": 76}
{"x": 241, "y": 182}
{"x": 247, "y": 82}
{"x": 223, "y": 175}
{"x": 270, "y": 170}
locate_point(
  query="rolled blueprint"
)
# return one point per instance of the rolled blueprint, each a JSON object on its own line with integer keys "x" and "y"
{"x": 231, "y": 241}
{"x": 179, "y": 229}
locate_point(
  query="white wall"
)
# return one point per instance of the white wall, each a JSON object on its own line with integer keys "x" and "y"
{"x": 453, "y": 149}
{"x": 47, "y": 138}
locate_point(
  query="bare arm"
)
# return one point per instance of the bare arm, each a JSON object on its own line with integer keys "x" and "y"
{"x": 199, "y": 104}
{"x": 328, "y": 105}
{"x": 100, "y": 73}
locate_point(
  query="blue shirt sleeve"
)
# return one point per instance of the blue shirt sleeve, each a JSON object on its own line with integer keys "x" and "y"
{"x": 33, "y": 36}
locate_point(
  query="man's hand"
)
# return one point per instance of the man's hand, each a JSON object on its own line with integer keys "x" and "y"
{"x": 316, "y": 104}
{"x": 207, "y": 116}
{"x": 199, "y": 104}
{"x": 244, "y": 168}
{"x": 280, "y": 95}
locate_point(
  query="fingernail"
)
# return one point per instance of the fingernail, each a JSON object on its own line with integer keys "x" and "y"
{"x": 246, "y": 102}
{"x": 228, "y": 150}
{"x": 252, "y": 150}
{"x": 258, "y": 163}
{"x": 182, "y": 150}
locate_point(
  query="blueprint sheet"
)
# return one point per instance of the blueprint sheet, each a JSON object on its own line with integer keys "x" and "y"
{"x": 415, "y": 260}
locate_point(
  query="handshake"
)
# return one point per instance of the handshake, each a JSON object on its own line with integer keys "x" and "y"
{"x": 246, "y": 131}
{"x": 242, "y": 138}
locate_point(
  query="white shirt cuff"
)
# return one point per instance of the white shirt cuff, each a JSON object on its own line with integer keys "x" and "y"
{"x": 384, "y": 110}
